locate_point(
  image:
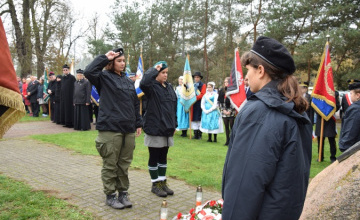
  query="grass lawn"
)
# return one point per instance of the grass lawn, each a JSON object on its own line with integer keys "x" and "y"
{"x": 18, "y": 201}
{"x": 195, "y": 161}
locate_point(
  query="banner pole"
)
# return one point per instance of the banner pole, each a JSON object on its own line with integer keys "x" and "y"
{"x": 321, "y": 139}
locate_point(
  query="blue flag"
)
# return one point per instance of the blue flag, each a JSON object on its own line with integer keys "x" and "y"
{"x": 187, "y": 95}
{"x": 139, "y": 76}
{"x": 45, "y": 87}
{"x": 95, "y": 97}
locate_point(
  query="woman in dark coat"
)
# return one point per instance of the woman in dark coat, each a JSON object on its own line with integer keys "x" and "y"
{"x": 119, "y": 121}
{"x": 159, "y": 124}
{"x": 267, "y": 166}
{"x": 82, "y": 93}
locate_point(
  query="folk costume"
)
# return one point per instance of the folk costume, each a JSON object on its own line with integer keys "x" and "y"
{"x": 182, "y": 116}
{"x": 66, "y": 99}
{"x": 82, "y": 92}
{"x": 159, "y": 126}
{"x": 211, "y": 121}
{"x": 267, "y": 166}
{"x": 350, "y": 128}
{"x": 196, "y": 112}
{"x": 118, "y": 120}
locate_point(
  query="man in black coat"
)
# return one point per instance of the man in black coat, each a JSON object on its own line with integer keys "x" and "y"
{"x": 51, "y": 92}
{"x": 32, "y": 96}
{"x": 82, "y": 93}
{"x": 66, "y": 100}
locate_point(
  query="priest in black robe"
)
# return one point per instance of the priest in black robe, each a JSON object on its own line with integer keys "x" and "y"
{"x": 82, "y": 93}
{"x": 66, "y": 98}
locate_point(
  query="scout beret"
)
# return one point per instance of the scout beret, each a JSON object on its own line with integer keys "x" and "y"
{"x": 355, "y": 85}
{"x": 163, "y": 66}
{"x": 274, "y": 53}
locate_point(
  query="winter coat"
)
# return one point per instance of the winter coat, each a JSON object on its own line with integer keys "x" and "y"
{"x": 196, "y": 108}
{"x": 119, "y": 107}
{"x": 40, "y": 91}
{"x": 350, "y": 128}
{"x": 267, "y": 166}
{"x": 160, "y": 117}
{"x": 33, "y": 88}
{"x": 82, "y": 92}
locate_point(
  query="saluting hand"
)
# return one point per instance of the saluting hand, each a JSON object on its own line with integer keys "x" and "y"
{"x": 111, "y": 55}
{"x": 158, "y": 67}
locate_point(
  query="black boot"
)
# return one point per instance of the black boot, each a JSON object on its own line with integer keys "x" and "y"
{"x": 113, "y": 202}
{"x": 200, "y": 134}
{"x": 157, "y": 189}
{"x": 166, "y": 188}
{"x": 183, "y": 133}
{"x": 209, "y": 139}
{"x": 196, "y": 134}
{"x": 215, "y": 137}
{"x": 227, "y": 142}
{"x": 124, "y": 199}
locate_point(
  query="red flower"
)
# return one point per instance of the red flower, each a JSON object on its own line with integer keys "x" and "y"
{"x": 179, "y": 215}
{"x": 208, "y": 217}
{"x": 212, "y": 203}
{"x": 202, "y": 212}
{"x": 193, "y": 215}
{"x": 192, "y": 210}
{"x": 192, "y": 218}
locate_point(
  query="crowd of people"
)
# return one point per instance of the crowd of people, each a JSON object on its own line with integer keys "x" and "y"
{"x": 266, "y": 171}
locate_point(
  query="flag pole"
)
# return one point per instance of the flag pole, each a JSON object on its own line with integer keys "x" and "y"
{"x": 321, "y": 139}
{"x": 142, "y": 62}
{"x": 188, "y": 57}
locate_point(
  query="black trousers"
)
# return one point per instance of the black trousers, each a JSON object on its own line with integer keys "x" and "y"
{"x": 229, "y": 123}
{"x": 157, "y": 155}
{"x": 35, "y": 109}
{"x": 332, "y": 148}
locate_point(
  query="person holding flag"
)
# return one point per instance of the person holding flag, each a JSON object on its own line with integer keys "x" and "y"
{"x": 267, "y": 166}
{"x": 43, "y": 102}
{"x": 200, "y": 90}
{"x": 325, "y": 101}
{"x": 182, "y": 115}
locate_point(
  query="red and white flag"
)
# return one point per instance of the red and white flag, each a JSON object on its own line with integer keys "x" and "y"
{"x": 236, "y": 87}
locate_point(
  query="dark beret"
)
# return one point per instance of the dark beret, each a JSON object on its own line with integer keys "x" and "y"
{"x": 66, "y": 66}
{"x": 197, "y": 74}
{"x": 120, "y": 51}
{"x": 51, "y": 73}
{"x": 274, "y": 53}
{"x": 351, "y": 81}
{"x": 80, "y": 71}
{"x": 305, "y": 84}
{"x": 355, "y": 85}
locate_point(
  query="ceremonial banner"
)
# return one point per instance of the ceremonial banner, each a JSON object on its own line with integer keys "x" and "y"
{"x": 45, "y": 87}
{"x": 95, "y": 97}
{"x": 236, "y": 87}
{"x": 127, "y": 69}
{"x": 323, "y": 94}
{"x": 139, "y": 76}
{"x": 11, "y": 104}
{"x": 187, "y": 95}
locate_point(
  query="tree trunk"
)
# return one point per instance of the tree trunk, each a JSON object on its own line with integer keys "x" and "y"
{"x": 205, "y": 46}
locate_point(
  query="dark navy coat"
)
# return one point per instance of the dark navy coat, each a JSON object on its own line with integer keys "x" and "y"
{"x": 350, "y": 128}
{"x": 267, "y": 166}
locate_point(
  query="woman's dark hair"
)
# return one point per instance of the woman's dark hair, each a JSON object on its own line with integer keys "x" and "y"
{"x": 110, "y": 65}
{"x": 288, "y": 84}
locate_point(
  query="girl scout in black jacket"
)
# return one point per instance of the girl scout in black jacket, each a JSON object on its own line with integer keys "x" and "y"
{"x": 267, "y": 165}
{"x": 118, "y": 119}
{"x": 159, "y": 124}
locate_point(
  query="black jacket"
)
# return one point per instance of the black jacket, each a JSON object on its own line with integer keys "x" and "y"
{"x": 57, "y": 95}
{"x": 119, "y": 108}
{"x": 82, "y": 92}
{"x": 350, "y": 128}
{"x": 267, "y": 166}
{"x": 33, "y": 88}
{"x": 52, "y": 87}
{"x": 160, "y": 117}
{"x": 40, "y": 91}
